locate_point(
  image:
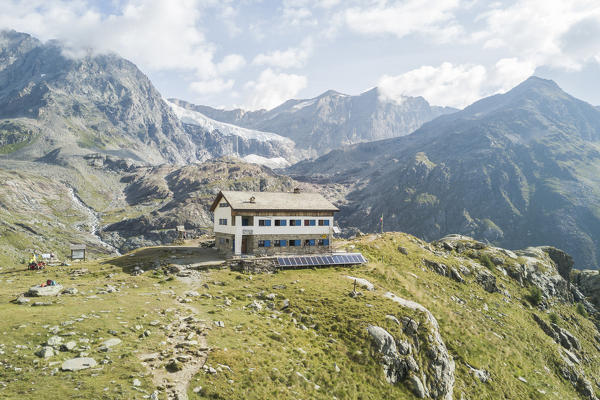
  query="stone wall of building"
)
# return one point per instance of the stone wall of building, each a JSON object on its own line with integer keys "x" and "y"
{"x": 224, "y": 243}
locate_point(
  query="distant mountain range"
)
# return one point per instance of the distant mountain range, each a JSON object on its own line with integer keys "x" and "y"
{"x": 333, "y": 119}
{"x": 516, "y": 169}
{"x": 53, "y": 105}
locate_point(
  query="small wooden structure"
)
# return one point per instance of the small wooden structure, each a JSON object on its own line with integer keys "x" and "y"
{"x": 78, "y": 252}
{"x": 181, "y": 232}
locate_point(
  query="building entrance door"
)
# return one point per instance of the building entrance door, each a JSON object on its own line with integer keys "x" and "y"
{"x": 244, "y": 244}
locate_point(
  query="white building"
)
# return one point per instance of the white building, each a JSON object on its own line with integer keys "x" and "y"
{"x": 264, "y": 223}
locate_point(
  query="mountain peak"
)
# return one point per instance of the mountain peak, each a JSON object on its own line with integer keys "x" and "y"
{"x": 536, "y": 83}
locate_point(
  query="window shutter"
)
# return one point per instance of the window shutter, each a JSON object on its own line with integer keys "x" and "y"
{"x": 267, "y": 243}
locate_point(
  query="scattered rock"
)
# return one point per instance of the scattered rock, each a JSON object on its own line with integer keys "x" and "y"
{"x": 54, "y": 341}
{"x": 70, "y": 291}
{"x": 136, "y": 382}
{"x": 68, "y": 346}
{"x": 79, "y": 363}
{"x": 21, "y": 300}
{"x": 45, "y": 352}
{"x": 256, "y": 305}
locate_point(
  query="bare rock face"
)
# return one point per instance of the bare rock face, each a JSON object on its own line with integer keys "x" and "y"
{"x": 431, "y": 376}
{"x": 394, "y": 366}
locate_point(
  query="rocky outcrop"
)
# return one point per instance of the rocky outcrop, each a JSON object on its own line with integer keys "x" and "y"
{"x": 558, "y": 334}
{"x": 436, "y": 373}
{"x": 395, "y": 364}
{"x": 588, "y": 283}
{"x": 444, "y": 270}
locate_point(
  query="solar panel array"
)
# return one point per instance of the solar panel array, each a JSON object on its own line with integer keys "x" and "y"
{"x": 321, "y": 260}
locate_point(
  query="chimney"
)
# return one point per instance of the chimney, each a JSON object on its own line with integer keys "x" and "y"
{"x": 297, "y": 190}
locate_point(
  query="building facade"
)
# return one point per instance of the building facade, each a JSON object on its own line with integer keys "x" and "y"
{"x": 269, "y": 223}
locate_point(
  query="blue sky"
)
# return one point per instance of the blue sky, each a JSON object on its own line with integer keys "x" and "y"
{"x": 257, "y": 54}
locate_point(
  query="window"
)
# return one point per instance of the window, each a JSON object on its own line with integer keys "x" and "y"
{"x": 221, "y": 240}
{"x": 245, "y": 221}
{"x": 295, "y": 222}
{"x": 323, "y": 222}
{"x": 323, "y": 242}
{"x": 264, "y": 243}
{"x": 310, "y": 222}
{"x": 223, "y": 204}
{"x": 294, "y": 243}
{"x": 264, "y": 222}
{"x": 309, "y": 242}
{"x": 281, "y": 243}
{"x": 222, "y": 221}
{"x": 280, "y": 222}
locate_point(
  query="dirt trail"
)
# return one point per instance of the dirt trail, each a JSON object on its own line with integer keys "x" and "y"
{"x": 173, "y": 369}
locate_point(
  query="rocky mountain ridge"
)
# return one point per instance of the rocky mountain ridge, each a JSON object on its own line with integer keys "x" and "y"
{"x": 512, "y": 169}
{"x": 53, "y": 102}
{"x": 332, "y": 119}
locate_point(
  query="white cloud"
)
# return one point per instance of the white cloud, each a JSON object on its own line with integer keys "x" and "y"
{"x": 509, "y": 72}
{"x": 293, "y": 57}
{"x": 271, "y": 89}
{"x": 545, "y": 32}
{"x": 231, "y": 63}
{"x": 456, "y": 85}
{"x": 211, "y": 86}
{"x": 154, "y": 34}
{"x": 404, "y": 18}
{"x": 448, "y": 85}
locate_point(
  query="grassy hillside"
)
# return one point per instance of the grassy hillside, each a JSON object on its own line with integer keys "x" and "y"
{"x": 309, "y": 339}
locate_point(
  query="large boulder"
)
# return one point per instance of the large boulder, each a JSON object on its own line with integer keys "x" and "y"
{"x": 38, "y": 291}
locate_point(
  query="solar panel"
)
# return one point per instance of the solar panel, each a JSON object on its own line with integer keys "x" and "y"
{"x": 321, "y": 260}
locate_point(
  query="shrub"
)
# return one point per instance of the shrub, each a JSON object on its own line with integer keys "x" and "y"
{"x": 554, "y": 318}
{"x": 486, "y": 261}
{"x": 581, "y": 310}
{"x": 535, "y": 295}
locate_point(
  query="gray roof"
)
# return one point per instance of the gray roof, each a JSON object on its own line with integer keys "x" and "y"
{"x": 275, "y": 201}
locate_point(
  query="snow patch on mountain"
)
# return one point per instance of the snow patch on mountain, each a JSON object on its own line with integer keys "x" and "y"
{"x": 274, "y": 162}
{"x": 195, "y": 118}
